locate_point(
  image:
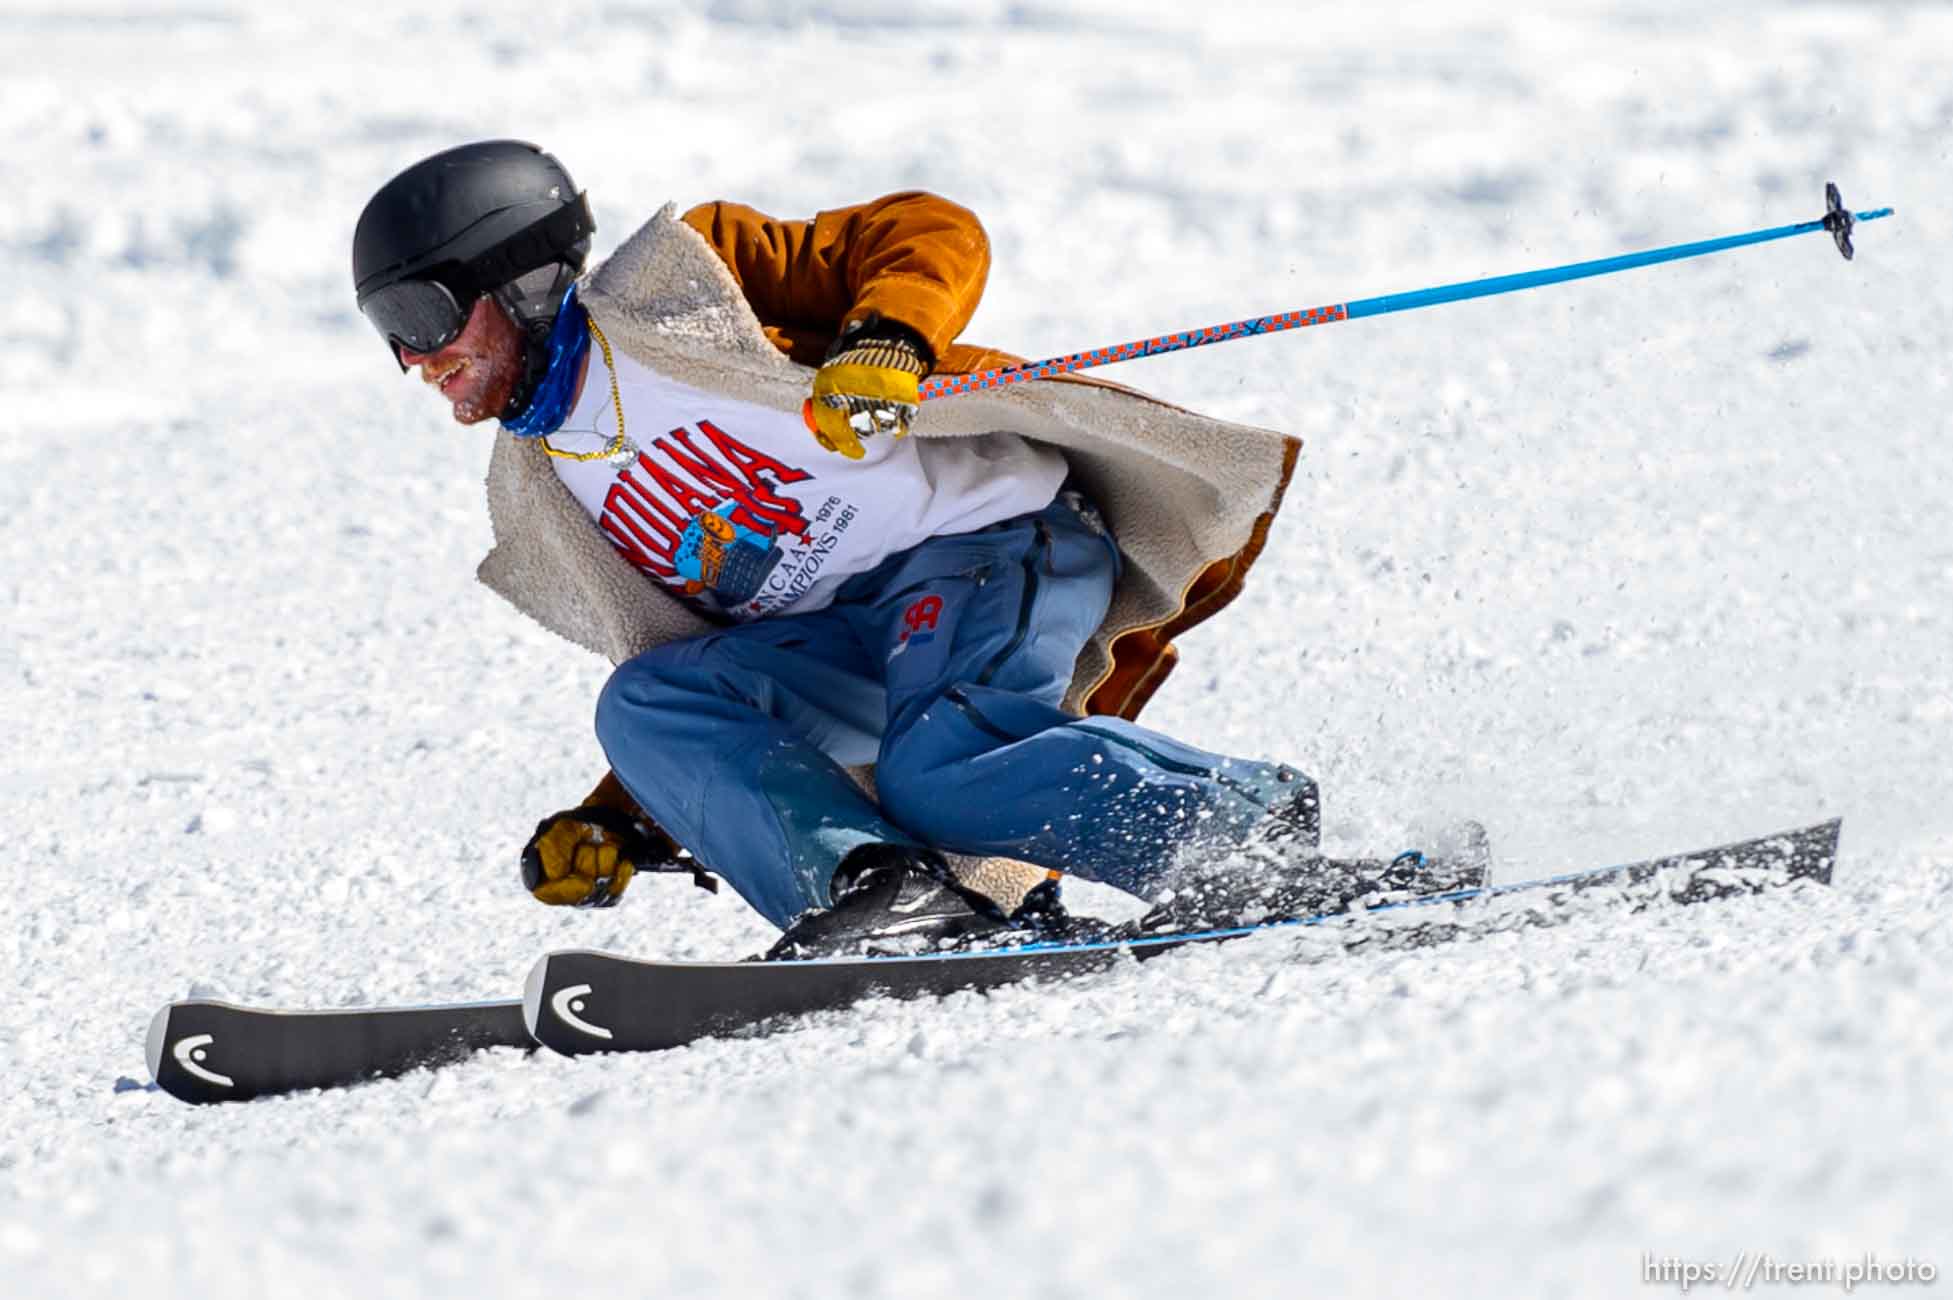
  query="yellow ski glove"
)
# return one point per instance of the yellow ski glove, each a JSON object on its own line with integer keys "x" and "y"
{"x": 867, "y": 386}
{"x": 586, "y": 857}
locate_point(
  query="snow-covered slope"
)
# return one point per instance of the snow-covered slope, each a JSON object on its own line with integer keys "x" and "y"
{"x": 1618, "y": 567}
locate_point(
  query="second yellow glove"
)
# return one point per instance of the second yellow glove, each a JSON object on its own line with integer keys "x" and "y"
{"x": 867, "y": 386}
{"x": 586, "y": 857}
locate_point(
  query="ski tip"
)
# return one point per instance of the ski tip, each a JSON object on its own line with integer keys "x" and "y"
{"x": 1833, "y": 832}
{"x": 532, "y": 992}
{"x": 1813, "y": 851}
{"x": 159, "y": 1032}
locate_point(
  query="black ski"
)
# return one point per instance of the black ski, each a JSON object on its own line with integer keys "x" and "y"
{"x": 201, "y": 1051}
{"x": 207, "y": 1051}
{"x": 580, "y": 1001}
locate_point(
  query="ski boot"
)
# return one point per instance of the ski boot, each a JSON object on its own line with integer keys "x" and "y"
{"x": 892, "y": 898}
{"x": 1280, "y": 876}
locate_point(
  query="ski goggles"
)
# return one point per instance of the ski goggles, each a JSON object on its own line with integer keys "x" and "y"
{"x": 427, "y": 313}
{"x": 418, "y": 315}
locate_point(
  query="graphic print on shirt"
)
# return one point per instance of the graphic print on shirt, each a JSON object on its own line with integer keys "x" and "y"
{"x": 728, "y": 558}
{"x": 705, "y": 514}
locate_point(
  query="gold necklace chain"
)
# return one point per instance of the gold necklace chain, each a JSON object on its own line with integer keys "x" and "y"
{"x": 620, "y": 447}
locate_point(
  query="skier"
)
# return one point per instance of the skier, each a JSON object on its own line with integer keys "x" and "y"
{"x": 714, "y": 469}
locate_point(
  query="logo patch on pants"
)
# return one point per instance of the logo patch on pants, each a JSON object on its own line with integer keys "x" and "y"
{"x": 918, "y": 623}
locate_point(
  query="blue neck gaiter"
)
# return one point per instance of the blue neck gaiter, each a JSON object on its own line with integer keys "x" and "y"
{"x": 549, "y": 405}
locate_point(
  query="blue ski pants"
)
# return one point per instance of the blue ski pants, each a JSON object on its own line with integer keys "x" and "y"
{"x": 944, "y": 666}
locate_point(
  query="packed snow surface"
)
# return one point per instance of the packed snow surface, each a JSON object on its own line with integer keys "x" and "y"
{"x": 1636, "y": 564}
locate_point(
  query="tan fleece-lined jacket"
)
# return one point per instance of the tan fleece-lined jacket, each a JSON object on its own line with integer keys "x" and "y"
{"x": 728, "y": 299}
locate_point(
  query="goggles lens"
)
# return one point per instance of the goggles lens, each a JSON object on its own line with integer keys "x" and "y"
{"x": 418, "y": 315}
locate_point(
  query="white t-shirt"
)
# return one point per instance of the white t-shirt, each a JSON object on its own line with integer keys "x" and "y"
{"x": 736, "y": 508}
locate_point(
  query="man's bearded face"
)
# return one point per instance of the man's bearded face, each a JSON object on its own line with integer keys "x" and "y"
{"x": 478, "y": 372}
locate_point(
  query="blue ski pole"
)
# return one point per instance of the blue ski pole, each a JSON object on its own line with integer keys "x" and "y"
{"x": 1837, "y": 219}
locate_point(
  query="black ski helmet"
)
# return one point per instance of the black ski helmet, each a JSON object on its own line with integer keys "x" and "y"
{"x": 497, "y": 217}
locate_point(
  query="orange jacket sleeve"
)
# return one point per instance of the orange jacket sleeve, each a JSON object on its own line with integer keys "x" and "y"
{"x": 911, "y": 257}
